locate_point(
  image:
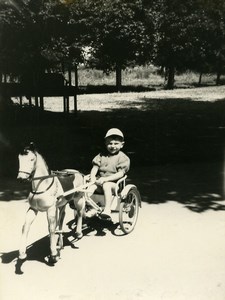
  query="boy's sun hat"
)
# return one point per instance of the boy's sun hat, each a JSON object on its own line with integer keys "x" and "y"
{"x": 114, "y": 131}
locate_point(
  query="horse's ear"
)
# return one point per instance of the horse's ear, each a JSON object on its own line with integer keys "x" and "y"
{"x": 25, "y": 148}
{"x": 32, "y": 146}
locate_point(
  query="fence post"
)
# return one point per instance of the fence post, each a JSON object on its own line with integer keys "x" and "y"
{"x": 76, "y": 88}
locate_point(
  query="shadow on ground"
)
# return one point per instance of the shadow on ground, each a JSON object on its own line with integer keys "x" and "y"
{"x": 176, "y": 147}
{"x": 40, "y": 249}
{"x": 198, "y": 186}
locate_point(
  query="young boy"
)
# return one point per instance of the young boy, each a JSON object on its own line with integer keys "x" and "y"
{"x": 108, "y": 167}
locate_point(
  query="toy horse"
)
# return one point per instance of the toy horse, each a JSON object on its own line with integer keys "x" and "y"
{"x": 47, "y": 195}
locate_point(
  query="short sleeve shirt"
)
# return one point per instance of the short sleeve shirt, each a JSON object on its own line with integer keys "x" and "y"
{"x": 111, "y": 164}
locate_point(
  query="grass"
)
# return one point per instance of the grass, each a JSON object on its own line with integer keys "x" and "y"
{"x": 146, "y": 76}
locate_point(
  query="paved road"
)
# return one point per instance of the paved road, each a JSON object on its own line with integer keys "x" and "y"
{"x": 173, "y": 254}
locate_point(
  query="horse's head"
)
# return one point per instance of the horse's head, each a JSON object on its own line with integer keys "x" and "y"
{"x": 27, "y": 162}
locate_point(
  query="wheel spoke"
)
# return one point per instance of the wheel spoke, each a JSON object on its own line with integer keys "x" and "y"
{"x": 129, "y": 211}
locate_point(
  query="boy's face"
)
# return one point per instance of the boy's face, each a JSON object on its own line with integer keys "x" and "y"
{"x": 113, "y": 144}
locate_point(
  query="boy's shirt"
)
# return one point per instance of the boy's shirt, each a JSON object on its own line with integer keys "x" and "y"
{"x": 111, "y": 164}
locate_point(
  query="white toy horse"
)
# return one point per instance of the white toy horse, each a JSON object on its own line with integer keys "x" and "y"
{"x": 47, "y": 195}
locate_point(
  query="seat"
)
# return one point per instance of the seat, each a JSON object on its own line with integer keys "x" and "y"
{"x": 100, "y": 200}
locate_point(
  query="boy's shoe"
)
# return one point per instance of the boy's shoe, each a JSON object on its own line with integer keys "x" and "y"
{"x": 105, "y": 216}
{"x": 91, "y": 213}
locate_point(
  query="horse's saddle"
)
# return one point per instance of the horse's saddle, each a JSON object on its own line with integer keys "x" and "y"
{"x": 66, "y": 179}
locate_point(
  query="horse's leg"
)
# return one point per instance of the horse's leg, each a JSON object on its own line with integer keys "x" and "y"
{"x": 30, "y": 216}
{"x": 80, "y": 210}
{"x": 60, "y": 225}
{"x": 52, "y": 223}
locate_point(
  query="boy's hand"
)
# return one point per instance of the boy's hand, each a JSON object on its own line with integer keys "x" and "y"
{"x": 100, "y": 181}
{"x": 93, "y": 179}
{"x": 90, "y": 178}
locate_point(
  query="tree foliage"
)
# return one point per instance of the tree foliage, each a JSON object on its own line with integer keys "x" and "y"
{"x": 36, "y": 35}
{"x": 189, "y": 35}
{"x": 120, "y": 36}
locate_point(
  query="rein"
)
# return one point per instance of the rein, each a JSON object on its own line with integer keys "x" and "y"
{"x": 44, "y": 177}
{"x": 41, "y": 179}
{"x": 35, "y": 191}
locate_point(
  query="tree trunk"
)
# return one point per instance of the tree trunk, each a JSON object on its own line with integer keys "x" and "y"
{"x": 170, "y": 80}
{"x": 218, "y": 77}
{"x": 118, "y": 78}
{"x": 70, "y": 76}
{"x": 76, "y": 76}
{"x": 200, "y": 79}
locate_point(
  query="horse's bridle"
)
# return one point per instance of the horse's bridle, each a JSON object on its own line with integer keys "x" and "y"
{"x": 30, "y": 174}
{"x": 41, "y": 178}
{"x": 24, "y": 172}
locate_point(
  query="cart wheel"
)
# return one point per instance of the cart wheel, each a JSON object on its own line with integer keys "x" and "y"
{"x": 128, "y": 211}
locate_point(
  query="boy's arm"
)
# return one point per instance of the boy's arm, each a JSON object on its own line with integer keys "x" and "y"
{"x": 94, "y": 172}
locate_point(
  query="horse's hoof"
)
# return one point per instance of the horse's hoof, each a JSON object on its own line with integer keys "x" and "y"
{"x": 79, "y": 236}
{"x": 53, "y": 259}
{"x": 59, "y": 247}
{"x": 18, "y": 266}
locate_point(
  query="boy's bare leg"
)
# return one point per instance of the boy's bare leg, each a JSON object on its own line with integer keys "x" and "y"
{"x": 109, "y": 189}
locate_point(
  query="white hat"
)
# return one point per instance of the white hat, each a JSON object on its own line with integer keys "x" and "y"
{"x": 114, "y": 131}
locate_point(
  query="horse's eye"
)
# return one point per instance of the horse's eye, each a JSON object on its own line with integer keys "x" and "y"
{"x": 32, "y": 159}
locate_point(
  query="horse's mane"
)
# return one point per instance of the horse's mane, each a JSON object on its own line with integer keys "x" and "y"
{"x": 38, "y": 154}
{"x": 24, "y": 148}
{"x": 32, "y": 147}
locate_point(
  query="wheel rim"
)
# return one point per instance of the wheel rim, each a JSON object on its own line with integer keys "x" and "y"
{"x": 129, "y": 211}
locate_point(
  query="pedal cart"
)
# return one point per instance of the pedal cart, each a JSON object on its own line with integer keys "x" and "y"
{"x": 126, "y": 202}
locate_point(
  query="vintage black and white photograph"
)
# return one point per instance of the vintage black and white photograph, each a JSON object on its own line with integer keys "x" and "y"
{"x": 112, "y": 143}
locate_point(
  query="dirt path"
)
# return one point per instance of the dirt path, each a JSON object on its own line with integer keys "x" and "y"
{"x": 177, "y": 251}
{"x": 173, "y": 254}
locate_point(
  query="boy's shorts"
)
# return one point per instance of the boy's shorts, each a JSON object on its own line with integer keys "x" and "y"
{"x": 99, "y": 190}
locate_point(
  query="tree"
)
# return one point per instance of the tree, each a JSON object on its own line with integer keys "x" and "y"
{"x": 174, "y": 39}
{"x": 208, "y": 36}
{"x": 33, "y": 36}
{"x": 189, "y": 35}
{"x": 117, "y": 34}
{"x": 36, "y": 35}
{"x": 215, "y": 50}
